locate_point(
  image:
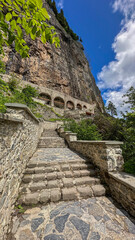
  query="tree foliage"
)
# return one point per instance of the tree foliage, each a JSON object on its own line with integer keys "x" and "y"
{"x": 19, "y": 18}
{"x": 85, "y": 129}
{"x": 111, "y": 109}
{"x": 130, "y": 97}
{"x": 62, "y": 20}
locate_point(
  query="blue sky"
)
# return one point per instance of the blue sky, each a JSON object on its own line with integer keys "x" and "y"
{"x": 107, "y": 28}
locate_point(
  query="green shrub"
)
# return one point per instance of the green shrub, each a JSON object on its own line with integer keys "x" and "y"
{"x": 3, "y": 86}
{"x": 129, "y": 166}
{"x": 2, "y": 66}
{"x": 85, "y": 130}
{"x": 13, "y": 84}
{"x": 30, "y": 91}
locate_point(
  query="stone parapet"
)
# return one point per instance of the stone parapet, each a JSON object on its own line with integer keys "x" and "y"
{"x": 122, "y": 188}
{"x": 107, "y": 156}
{"x": 17, "y": 107}
{"x": 19, "y": 134}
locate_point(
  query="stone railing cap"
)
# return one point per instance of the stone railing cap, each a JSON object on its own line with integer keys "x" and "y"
{"x": 124, "y": 178}
{"x": 6, "y": 117}
{"x": 22, "y": 106}
{"x": 73, "y": 133}
{"x": 101, "y": 142}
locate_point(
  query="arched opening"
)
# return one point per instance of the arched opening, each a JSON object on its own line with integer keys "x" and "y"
{"x": 59, "y": 102}
{"x": 70, "y": 105}
{"x": 84, "y": 107}
{"x": 79, "y": 106}
{"x": 46, "y": 97}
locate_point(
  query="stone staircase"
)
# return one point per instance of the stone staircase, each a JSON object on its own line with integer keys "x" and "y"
{"x": 50, "y": 139}
{"x": 54, "y": 174}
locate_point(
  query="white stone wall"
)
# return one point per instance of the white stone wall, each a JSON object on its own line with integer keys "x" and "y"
{"x": 19, "y": 134}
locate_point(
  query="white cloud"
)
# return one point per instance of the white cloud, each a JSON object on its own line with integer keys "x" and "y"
{"x": 60, "y": 3}
{"x": 127, "y": 7}
{"x": 119, "y": 75}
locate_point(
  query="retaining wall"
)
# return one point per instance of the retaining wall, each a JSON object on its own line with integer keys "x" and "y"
{"x": 19, "y": 135}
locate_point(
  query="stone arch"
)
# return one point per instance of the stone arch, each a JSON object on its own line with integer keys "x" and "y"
{"x": 46, "y": 97}
{"x": 70, "y": 105}
{"x": 84, "y": 107}
{"x": 79, "y": 106}
{"x": 59, "y": 102}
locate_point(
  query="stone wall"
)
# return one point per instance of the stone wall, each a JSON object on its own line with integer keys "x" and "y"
{"x": 104, "y": 154}
{"x": 19, "y": 134}
{"x": 122, "y": 187}
{"x": 107, "y": 156}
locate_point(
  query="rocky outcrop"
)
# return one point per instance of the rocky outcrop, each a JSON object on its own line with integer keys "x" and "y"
{"x": 64, "y": 69}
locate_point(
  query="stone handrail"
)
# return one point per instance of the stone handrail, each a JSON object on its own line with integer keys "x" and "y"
{"x": 22, "y": 107}
{"x": 106, "y": 155}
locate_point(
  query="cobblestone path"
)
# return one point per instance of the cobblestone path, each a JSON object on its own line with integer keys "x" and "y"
{"x": 91, "y": 219}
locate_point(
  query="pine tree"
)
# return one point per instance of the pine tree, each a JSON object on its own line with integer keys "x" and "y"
{"x": 111, "y": 109}
{"x": 54, "y": 8}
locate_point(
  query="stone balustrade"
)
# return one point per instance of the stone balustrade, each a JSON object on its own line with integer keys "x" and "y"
{"x": 19, "y": 134}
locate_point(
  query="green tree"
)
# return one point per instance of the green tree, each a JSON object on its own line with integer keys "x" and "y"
{"x": 85, "y": 129}
{"x": 54, "y": 8}
{"x": 111, "y": 109}
{"x": 24, "y": 17}
{"x": 130, "y": 94}
{"x": 62, "y": 20}
{"x": 129, "y": 132}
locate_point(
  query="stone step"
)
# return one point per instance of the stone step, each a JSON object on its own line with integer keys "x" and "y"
{"x": 39, "y": 183}
{"x": 35, "y": 177}
{"x": 61, "y": 194}
{"x": 43, "y": 167}
{"x": 49, "y": 133}
{"x": 51, "y": 142}
{"x": 66, "y": 165}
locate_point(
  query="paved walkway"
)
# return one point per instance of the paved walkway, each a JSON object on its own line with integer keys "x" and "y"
{"x": 91, "y": 219}
{"x": 55, "y": 154}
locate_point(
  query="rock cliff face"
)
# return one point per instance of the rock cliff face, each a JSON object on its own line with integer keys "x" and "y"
{"x": 65, "y": 69}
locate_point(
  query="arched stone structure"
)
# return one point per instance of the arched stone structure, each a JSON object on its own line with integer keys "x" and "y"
{"x": 70, "y": 105}
{"x": 84, "y": 107}
{"x": 79, "y": 106}
{"x": 46, "y": 97}
{"x": 59, "y": 102}
{"x": 63, "y": 100}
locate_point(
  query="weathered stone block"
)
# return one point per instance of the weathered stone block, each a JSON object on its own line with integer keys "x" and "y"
{"x": 31, "y": 198}
{"x": 60, "y": 175}
{"x": 98, "y": 190}
{"x": 69, "y": 194}
{"x": 37, "y": 186}
{"x": 38, "y": 177}
{"x": 51, "y": 176}
{"x": 68, "y": 182}
{"x": 68, "y": 174}
{"x": 65, "y": 167}
{"x": 55, "y": 195}
{"x": 27, "y": 178}
{"x": 85, "y": 191}
{"x": 45, "y": 196}
{"x": 77, "y": 173}
{"x": 53, "y": 184}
